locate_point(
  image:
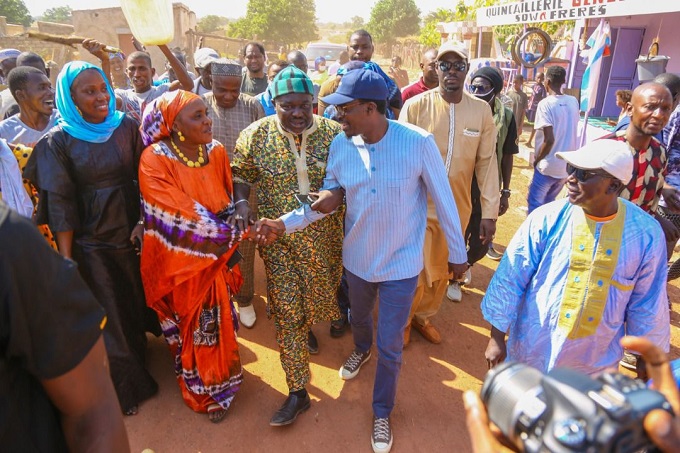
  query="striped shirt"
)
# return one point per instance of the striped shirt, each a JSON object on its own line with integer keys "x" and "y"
{"x": 228, "y": 123}
{"x": 386, "y": 186}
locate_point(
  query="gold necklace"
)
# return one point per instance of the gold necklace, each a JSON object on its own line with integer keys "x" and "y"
{"x": 190, "y": 163}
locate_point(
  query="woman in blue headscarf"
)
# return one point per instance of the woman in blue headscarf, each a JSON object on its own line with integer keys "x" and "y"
{"x": 320, "y": 73}
{"x": 85, "y": 169}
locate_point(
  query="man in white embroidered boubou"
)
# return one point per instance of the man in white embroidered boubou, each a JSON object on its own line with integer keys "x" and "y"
{"x": 567, "y": 289}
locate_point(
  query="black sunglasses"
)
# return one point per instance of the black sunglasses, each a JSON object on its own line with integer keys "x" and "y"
{"x": 346, "y": 108}
{"x": 459, "y": 65}
{"x": 480, "y": 89}
{"x": 583, "y": 175}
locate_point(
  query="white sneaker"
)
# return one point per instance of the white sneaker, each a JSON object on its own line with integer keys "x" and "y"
{"x": 353, "y": 364}
{"x": 247, "y": 316}
{"x": 382, "y": 439}
{"x": 467, "y": 277}
{"x": 453, "y": 292}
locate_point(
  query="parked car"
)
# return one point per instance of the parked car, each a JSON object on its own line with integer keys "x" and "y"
{"x": 327, "y": 50}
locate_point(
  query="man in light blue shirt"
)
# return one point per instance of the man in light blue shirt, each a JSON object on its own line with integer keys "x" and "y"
{"x": 385, "y": 170}
{"x": 580, "y": 273}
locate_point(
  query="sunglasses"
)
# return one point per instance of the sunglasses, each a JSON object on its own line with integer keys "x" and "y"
{"x": 346, "y": 108}
{"x": 583, "y": 175}
{"x": 480, "y": 90}
{"x": 445, "y": 66}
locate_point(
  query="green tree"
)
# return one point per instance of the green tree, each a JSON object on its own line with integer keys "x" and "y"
{"x": 59, "y": 14}
{"x": 391, "y": 19}
{"x": 429, "y": 35}
{"x": 211, "y": 23}
{"x": 16, "y": 12}
{"x": 277, "y": 21}
{"x": 356, "y": 23}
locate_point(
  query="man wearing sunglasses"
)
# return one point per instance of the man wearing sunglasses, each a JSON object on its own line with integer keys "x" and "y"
{"x": 487, "y": 84}
{"x": 464, "y": 130}
{"x": 580, "y": 273}
{"x": 386, "y": 170}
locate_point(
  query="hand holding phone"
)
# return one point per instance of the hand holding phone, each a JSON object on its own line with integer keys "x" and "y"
{"x": 306, "y": 199}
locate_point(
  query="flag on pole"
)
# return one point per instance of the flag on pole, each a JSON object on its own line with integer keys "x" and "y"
{"x": 599, "y": 43}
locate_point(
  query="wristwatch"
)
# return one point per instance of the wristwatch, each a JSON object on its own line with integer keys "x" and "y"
{"x": 506, "y": 192}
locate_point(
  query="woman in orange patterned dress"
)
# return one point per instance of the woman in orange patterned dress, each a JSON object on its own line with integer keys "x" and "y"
{"x": 189, "y": 255}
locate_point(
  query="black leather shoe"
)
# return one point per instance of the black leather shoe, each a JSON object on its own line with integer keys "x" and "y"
{"x": 339, "y": 326}
{"x": 312, "y": 343}
{"x": 290, "y": 410}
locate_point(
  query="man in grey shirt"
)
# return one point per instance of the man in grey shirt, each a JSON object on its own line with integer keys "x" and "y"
{"x": 231, "y": 112}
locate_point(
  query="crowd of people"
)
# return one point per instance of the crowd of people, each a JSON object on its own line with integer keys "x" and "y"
{"x": 309, "y": 166}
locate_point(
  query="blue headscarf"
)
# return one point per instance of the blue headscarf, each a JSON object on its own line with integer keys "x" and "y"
{"x": 71, "y": 120}
{"x": 318, "y": 61}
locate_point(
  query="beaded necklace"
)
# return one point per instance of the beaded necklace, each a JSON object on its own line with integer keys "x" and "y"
{"x": 190, "y": 163}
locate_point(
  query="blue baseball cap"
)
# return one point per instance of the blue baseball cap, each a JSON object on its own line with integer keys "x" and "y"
{"x": 358, "y": 84}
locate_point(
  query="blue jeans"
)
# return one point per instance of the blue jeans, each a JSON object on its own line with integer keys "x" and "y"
{"x": 394, "y": 305}
{"x": 543, "y": 189}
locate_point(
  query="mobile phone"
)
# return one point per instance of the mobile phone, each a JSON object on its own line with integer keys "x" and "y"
{"x": 306, "y": 199}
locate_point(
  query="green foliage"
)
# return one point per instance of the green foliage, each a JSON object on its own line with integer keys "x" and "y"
{"x": 340, "y": 39}
{"x": 442, "y": 15}
{"x": 279, "y": 21}
{"x": 16, "y": 12}
{"x": 211, "y": 23}
{"x": 391, "y": 19}
{"x": 429, "y": 36}
{"x": 58, "y": 14}
{"x": 356, "y": 23}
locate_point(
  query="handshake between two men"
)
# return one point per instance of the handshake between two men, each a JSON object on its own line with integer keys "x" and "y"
{"x": 265, "y": 231}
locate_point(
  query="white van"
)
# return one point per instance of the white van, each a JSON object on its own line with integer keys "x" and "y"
{"x": 327, "y": 50}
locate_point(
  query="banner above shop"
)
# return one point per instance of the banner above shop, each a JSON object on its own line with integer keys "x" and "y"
{"x": 554, "y": 10}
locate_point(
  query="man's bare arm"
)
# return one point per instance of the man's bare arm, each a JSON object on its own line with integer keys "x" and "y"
{"x": 91, "y": 416}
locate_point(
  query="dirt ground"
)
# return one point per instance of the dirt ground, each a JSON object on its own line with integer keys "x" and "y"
{"x": 429, "y": 414}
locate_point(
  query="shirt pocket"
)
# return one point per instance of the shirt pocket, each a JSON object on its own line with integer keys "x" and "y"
{"x": 469, "y": 132}
{"x": 620, "y": 291}
{"x": 396, "y": 191}
{"x": 468, "y": 141}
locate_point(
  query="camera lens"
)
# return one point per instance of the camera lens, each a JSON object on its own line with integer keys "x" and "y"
{"x": 504, "y": 387}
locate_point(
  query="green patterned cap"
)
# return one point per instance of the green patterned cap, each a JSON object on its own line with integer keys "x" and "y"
{"x": 291, "y": 80}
